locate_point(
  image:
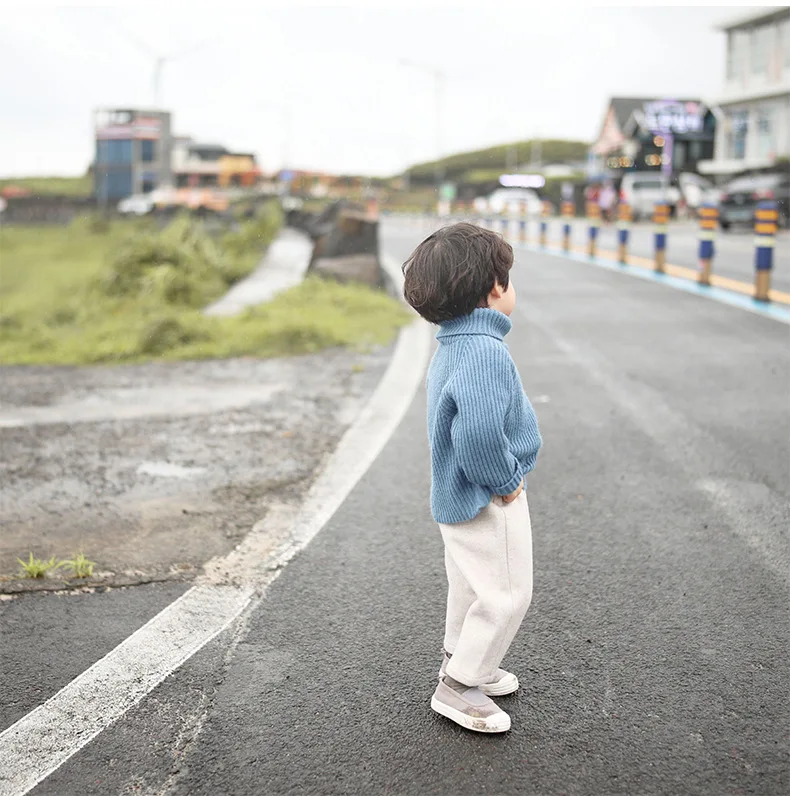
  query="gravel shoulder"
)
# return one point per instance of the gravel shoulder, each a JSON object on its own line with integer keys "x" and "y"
{"x": 163, "y": 466}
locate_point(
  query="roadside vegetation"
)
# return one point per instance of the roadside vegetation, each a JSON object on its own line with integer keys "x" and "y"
{"x": 126, "y": 291}
{"x": 37, "y": 568}
{"x": 51, "y": 186}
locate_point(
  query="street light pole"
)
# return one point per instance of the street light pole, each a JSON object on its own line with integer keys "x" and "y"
{"x": 159, "y": 59}
{"x": 286, "y": 114}
{"x": 439, "y": 79}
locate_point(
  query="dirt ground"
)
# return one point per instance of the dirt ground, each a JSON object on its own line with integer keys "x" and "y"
{"x": 151, "y": 470}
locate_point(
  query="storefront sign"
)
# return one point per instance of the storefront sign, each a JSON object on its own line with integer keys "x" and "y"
{"x": 670, "y": 116}
{"x": 124, "y": 125}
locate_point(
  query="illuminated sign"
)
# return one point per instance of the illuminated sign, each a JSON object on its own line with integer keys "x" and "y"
{"x": 522, "y": 180}
{"x": 671, "y": 116}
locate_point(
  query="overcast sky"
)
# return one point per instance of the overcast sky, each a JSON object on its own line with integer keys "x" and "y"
{"x": 511, "y": 74}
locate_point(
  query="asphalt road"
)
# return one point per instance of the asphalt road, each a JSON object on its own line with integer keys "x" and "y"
{"x": 653, "y": 659}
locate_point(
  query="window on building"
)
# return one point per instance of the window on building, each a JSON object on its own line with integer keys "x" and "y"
{"x": 114, "y": 184}
{"x": 732, "y": 64}
{"x": 761, "y": 45}
{"x": 115, "y": 152}
{"x": 766, "y": 132}
{"x": 738, "y": 125}
{"x": 737, "y": 44}
{"x": 148, "y": 151}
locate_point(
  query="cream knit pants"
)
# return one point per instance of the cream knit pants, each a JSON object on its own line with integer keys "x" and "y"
{"x": 489, "y": 575}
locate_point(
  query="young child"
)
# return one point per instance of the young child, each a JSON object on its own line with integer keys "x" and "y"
{"x": 484, "y": 439}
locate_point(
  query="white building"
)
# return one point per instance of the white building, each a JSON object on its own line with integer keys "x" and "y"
{"x": 753, "y": 112}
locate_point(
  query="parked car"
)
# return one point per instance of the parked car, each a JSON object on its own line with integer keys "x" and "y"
{"x": 697, "y": 191}
{"x": 511, "y": 200}
{"x": 642, "y": 189}
{"x": 740, "y": 197}
{"x": 137, "y": 204}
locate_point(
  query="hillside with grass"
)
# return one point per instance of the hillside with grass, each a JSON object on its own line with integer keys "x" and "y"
{"x": 480, "y": 164}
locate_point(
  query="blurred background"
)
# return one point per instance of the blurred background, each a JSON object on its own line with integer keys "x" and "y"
{"x": 337, "y": 100}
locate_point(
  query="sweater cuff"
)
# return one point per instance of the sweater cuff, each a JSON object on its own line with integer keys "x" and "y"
{"x": 510, "y": 486}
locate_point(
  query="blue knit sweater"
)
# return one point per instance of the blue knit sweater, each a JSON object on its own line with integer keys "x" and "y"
{"x": 481, "y": 426}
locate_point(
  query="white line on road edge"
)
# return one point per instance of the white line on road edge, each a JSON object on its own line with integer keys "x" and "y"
{"x": 40, "y": 742}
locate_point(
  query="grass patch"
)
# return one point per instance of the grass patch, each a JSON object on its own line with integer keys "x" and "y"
{"x": 130, "y": 293}
{"x": 37, "y": 567}
{"x": 79, "y": 565}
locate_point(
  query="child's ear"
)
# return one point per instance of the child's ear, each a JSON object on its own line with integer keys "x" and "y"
{"x": 496, "y": 291}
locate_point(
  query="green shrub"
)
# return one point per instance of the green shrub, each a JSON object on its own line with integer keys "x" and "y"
{"x": 73, "y": 298}
{"x": 180, "y": 265}
{"x": 166, "y": 332}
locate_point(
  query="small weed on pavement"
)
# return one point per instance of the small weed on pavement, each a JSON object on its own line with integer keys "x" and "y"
{"x": 79, "y": 565}
{"x": 37, "y": 567}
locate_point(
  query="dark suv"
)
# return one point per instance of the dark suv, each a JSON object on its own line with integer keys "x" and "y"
{"x": 739, "y": 199}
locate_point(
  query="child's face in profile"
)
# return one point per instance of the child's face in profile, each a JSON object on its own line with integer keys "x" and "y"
{"x": 501, "y": 299}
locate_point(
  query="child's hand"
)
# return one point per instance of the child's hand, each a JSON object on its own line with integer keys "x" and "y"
{"x": 513, "y": 495}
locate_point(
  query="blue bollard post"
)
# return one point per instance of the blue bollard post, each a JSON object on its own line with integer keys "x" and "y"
{"x": 708, "y": 219}
{"x": 594, "y": 221}
{"x": 766, "y": 218}
{"x": 625, "y": 216}
{"x": 568, "y": 210}
{"x": 544, "y": 222}
{"x": 661, "y": 220}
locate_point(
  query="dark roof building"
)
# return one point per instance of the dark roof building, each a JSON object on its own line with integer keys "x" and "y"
{"x": 650, "y": 133}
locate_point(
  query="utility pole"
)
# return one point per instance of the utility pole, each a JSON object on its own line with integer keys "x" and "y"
{"x": 439, "y": 77}
{"x": 159, "y": 59}
{"x": 439, "y": 81}
{"x": 286, "y": 116}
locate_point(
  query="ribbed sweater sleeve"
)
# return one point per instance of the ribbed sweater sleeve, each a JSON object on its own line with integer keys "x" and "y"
{"x": 482, "y": 389}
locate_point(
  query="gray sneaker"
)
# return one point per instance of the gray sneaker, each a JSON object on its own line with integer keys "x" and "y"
{"x": 470, "y": 708}
{"x": 503, "y": 683}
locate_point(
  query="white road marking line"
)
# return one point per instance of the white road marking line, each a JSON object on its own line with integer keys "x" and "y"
{"x": 44, "y": 739}
{"x": 40, "y": 742}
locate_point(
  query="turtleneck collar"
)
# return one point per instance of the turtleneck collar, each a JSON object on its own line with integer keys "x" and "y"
{"x": 482, "y": 320}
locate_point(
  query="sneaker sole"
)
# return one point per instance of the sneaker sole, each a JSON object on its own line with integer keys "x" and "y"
{"x": 499, "y": 722}
{"x": 507, "y": 685}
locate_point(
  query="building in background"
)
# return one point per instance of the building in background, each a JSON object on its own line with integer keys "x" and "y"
{"x": 652, "y": 134}
{"x": 197, "y": 165}
{"x": 133, "y": 153}
{"x": 754, "y": 109}
{"x": 238, "y": 170}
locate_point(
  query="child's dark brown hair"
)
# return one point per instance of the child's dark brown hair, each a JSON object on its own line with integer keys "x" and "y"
{"x": 452, "y": 272}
